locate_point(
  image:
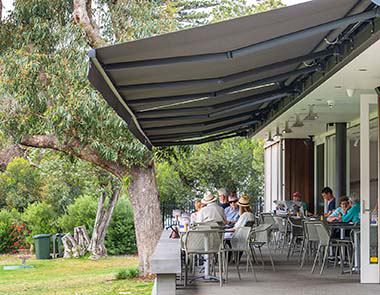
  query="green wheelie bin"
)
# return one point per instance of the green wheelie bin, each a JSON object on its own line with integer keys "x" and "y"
{"x": 42, "y": 246}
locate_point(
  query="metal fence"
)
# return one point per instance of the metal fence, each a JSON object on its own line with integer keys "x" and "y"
{"x": 168, "y": 207}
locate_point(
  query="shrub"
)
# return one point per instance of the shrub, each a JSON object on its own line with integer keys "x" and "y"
{"x": 120, "y": 238}
{"x": 13, "y": 232}
{"x": 81, "y": 212}
{"x": 41, "y": 219}
{"x": 128, "y": 273}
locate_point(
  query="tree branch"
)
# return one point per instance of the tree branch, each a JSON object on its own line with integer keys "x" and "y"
{"x": 82, "y": 16}
{"x": 74, "y": 147}
{"x": 1, "y": 11}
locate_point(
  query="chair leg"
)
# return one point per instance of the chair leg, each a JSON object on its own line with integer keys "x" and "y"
{"x": 220, "y": 269}
{"x": 253, "y": 270}
{"x": 336, "y": 256}
{"x": 315, "y": 259}
{"x": 271, "y": 259}
{"x": 226, "y": 265}
{"x": 262, "y": 258}
{"x": 306, "y": 246}
{"x": 237, "y": 263}
{"x": 324, "y": 259}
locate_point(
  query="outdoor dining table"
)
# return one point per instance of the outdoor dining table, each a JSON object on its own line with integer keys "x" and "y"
{"x": 343, "y": 226}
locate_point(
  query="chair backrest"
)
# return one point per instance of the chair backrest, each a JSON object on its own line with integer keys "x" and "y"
{"x": 195, "y": 241}
{"x": 296, "y": 226}
{"x": 267, "y": 218}
{"x": 311, "y": 230}
{"x": 280, "y": 222}
{"x": 261, "y": 233}
{"x": 324, "y": 235}
{"x": 249, "y": 223}
{"x": 239, "y": 240}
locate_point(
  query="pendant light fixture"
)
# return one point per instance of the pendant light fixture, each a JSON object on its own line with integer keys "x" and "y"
{"x": 311, "y": 116}
{"x": 287, "y": 129}
{"x": 298, "y": 122}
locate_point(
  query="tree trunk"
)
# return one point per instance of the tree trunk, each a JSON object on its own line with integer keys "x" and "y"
{"x": 147, "y": 214}
{"x": 102, "y": 220}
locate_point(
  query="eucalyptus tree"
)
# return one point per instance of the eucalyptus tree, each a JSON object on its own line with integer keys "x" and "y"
{"x": 47, "y": 102}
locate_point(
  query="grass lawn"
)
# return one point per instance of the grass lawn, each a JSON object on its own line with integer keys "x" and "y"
{"x": 70, "y": 276}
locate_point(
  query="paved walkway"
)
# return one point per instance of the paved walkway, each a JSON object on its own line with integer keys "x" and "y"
{"x": 288, "y": 279}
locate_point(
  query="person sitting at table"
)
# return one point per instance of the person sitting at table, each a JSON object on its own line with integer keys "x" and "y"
{"x": 297, "y": 198}
{"x": 245, "y": 213}
{"x": 223, "y": 200}
{"x": 197, "y": 207}
{"x": 353, "y": 214}
{"x": 212, "y": 212}
{"x": 232, "y": 211}
{"x": 327, "y": 194}
{"x": 341, "y": 211}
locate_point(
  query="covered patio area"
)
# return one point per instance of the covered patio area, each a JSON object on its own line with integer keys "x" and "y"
{"x": 287, "y": 279}
{"x": 313, "y": 66}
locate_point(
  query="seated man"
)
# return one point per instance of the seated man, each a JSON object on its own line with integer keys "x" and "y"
{"x": 297, "y": 198}
{"x": 212, "y": 212}
{"x": 223, "y": 198}
{"x": 232, "y": 212}
{"x": 341, "y": 211}
{"x": 327, "y": 195}
{"x": 353, "y": 215}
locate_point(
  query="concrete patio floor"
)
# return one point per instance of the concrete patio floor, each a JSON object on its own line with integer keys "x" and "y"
{"x": 287, "y": 279}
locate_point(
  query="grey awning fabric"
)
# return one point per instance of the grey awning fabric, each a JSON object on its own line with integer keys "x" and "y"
{"x": 219, "y": 80}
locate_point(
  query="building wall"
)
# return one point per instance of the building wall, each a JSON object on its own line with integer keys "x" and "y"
{"x": 289, "y": 167}
{"x": 299, "y": 170}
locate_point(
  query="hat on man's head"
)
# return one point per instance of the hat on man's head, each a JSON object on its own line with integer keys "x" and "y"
{"x": 222, "y": 192}
{"x": 244, "y": 201}
{"x": 297, "y": 194}
{"x": 208, "y": 198}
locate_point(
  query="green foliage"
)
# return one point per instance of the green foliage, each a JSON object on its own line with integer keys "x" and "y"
{"x": 128, "y": 273}
{"x": 120, "y": 238}
{"x": 172, "y": 188}
{"x": 236, "y": 164}
{"x": 41, "y": 219}
{"x": 228, "y": 9}
{"x": 81, "y": 212}
{"x": 20, "y": 185}
{"x": 66, "y": 179}
{"x": 7, "y": 220}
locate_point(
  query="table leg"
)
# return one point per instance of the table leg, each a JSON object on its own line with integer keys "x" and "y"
{"x": 356, "y": 251}
{"x": 207, "y": 256}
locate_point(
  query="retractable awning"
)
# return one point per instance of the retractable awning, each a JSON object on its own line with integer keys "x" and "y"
{"x": 224, "y": 79}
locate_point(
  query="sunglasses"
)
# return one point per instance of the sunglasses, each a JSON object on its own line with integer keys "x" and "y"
{"x": 233, "y": 201}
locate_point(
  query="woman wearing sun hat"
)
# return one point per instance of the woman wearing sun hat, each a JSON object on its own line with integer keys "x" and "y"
{"x": 245, "y": 213}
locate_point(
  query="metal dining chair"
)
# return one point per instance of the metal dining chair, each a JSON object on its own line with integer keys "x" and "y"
{"x": 195, "y": 244}
{"x": 240, "y": 242}
{"x": 297, "y": 235}
{"x": 259, "y": 237}
{"x": 311, "y": 238}
{"x": 325, "y": 241}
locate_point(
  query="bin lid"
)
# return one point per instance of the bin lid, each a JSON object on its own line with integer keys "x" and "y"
{"x": 41, "y": 236}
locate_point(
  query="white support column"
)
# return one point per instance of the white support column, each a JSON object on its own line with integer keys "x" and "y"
{"x": 369, "y": 273}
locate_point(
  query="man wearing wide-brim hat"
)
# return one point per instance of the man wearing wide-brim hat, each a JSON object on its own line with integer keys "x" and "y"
{"x": 212, "y": 212}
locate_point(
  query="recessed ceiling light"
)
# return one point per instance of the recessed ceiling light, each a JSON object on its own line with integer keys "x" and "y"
{"x": 362, "y": 70}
